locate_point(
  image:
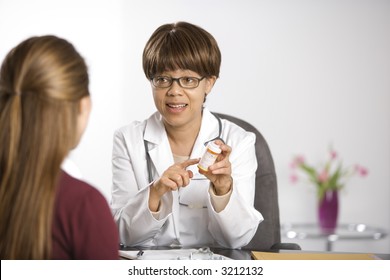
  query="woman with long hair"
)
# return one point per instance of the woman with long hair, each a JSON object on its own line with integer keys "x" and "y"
{"x": 44, "y": 109}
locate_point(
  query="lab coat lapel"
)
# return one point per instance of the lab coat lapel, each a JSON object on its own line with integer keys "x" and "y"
{"x": 158, "y": 144}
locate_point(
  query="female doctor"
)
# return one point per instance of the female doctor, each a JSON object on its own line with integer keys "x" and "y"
{"x": 159, "y": 196}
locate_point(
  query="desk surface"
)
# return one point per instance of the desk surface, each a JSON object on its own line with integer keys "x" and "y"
{"x": 247, "y": 255}
{"x": 179, "y": 253}
{"x": 237, "y": 254}
{"x": 343, "y": 231}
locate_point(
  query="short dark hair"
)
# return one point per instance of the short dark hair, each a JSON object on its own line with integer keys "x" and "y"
{"x": 181, "y": 45}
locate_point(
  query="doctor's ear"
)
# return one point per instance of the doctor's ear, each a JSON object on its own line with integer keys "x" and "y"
{"x": 210, "y": 81}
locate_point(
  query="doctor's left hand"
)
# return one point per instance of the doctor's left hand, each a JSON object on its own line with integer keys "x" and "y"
{"x": 220, "y": 173}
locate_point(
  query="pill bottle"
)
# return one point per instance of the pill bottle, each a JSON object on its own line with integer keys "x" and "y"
{"x": 209, "y": 156}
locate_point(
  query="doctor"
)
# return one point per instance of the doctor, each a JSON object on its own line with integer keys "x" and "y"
{"x": 159, "y": 196}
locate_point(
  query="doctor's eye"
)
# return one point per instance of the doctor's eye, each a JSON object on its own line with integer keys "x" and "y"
{"x": 161, "y": 81}
{"x": 188, "y": 81}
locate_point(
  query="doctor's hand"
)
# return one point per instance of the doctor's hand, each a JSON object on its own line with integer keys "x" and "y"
{"x": 220, "y": 173}
{"x": 174, "y": 177}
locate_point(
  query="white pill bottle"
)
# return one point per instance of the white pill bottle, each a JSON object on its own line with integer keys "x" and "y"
{"x": 209, "y": 156}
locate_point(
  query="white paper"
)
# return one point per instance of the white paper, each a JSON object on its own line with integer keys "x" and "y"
{"x": 173, "y": 254}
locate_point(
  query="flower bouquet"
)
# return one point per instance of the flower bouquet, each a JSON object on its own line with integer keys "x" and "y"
{"x": 328, "y": 178}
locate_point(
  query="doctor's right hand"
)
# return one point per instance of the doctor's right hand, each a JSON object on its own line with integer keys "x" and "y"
{"x": 172, "y": 179}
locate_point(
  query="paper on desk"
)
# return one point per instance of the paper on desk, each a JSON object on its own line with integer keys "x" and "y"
{"x": 173, "y": 254}
{"x": 312, "y": 256}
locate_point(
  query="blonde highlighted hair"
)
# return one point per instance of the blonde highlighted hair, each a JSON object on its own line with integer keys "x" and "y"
{"x": 42, "y": 81}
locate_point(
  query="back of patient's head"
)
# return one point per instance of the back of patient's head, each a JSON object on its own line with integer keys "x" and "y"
{"x": 42, "y": 81}
{"x": 181, "y": 45}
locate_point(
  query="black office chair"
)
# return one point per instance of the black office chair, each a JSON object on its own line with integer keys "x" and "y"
{"x": 267, "y": 236}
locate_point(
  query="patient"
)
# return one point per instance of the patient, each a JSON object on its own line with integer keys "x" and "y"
{"x": 44, "y": 108}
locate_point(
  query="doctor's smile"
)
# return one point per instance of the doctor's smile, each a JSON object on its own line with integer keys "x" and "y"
{"x": 176, "y": 108}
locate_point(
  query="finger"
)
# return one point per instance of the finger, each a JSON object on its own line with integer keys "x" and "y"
{"x": 226, "y": 149}
{"x": 201, "y": 171}
{"x": 221, "y": 171}
{"x": 219, "y": 142}
{"x": 187, "y": 177}
{"x": 168, "y": 183}
{"x": 189, "y": 162}
{"x": 177, "y": 179}
{"x": 224, "y": 163}
{"x": 165, "y": 184}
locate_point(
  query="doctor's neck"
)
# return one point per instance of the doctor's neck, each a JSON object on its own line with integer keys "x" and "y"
{"x": 182, "y": 138}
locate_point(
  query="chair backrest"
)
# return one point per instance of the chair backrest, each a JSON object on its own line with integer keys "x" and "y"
{"x": 266, "y": 193}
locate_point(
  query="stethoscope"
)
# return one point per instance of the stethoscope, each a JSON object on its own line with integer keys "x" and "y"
{"x": 149, "y": 160}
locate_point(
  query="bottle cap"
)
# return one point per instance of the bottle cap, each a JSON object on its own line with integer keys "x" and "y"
{"x": 214, "y": 147}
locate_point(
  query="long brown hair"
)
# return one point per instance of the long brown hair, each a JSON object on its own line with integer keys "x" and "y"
{"x": 42, "y": 81}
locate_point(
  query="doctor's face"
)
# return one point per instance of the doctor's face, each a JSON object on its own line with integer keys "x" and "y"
{"x": 179, "y": 96}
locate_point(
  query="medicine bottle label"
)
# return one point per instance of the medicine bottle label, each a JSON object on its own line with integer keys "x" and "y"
{"x": 209, "y": 156}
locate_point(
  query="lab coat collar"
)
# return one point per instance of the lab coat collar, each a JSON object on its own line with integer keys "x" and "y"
{"x": 155, "y": 130}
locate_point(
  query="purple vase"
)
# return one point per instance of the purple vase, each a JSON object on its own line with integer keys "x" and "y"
{"x": 328, "y": 209}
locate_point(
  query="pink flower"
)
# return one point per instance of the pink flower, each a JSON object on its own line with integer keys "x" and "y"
{"x": 361, "y": 170}
{"x": 323, "y": 176}
{"x": 297, "y": 161}
{"x": 293, "y": 178}
{"x": 330, "y": 174}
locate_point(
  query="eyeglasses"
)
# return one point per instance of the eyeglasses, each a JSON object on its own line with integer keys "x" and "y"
{"x": 184, "y": 82}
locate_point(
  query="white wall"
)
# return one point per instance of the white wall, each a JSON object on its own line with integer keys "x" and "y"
{"x": 306, "y": 73}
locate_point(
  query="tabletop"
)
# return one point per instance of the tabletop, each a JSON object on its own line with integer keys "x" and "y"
{"x": 347, "y": 231}
{"x": 242, "y": 254}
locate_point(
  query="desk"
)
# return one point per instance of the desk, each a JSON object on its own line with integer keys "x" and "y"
{"x": 234, "y": 254}
{"x": 313, "y": 255}
{"x": 237, "y": 254}
{"x": 343, "y": 232}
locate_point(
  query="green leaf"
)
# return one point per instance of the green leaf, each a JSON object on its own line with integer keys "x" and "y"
{"x": 310, "y": 171}
{"x": 333, "y": 180}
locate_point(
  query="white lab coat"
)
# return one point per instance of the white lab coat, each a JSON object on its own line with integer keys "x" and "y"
{"x": 194, "y": 225}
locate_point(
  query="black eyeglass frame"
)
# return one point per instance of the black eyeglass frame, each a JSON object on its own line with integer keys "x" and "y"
{"x": 177, "y": 80}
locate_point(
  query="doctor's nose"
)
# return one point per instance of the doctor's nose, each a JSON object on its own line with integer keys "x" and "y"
{"x": 175, "y": 89}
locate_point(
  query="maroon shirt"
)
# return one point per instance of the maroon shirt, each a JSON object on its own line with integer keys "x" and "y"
{"x": 83, "y": 226}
